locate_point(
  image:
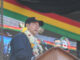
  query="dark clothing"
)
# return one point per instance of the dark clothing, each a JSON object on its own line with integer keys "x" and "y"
{"x": 20, "y": 48}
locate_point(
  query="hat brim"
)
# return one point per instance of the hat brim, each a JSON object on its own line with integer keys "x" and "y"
{"x": 41, "y": 23}
{"x": 30, "y": 20}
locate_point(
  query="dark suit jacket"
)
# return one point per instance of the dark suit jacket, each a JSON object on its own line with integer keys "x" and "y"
{"x": 20, "y": 48}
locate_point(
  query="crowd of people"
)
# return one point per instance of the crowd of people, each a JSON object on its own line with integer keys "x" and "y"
{"x": 63, "y": 43}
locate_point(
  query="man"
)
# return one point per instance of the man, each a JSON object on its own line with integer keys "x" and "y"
{"x": 24, "y": 45}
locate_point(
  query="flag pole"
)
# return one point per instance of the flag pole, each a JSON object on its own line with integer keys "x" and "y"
{"x": 1, "y": 40}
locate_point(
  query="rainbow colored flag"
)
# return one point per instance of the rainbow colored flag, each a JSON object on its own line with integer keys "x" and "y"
{"x": 53, "y": 22}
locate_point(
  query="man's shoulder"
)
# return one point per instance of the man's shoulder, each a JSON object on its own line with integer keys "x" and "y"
{"x": 18, "y": 38}
{"x": 21, "y": 34}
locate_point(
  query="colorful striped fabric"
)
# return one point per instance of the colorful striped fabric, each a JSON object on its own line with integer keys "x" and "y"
{"x": 53, "y": 22}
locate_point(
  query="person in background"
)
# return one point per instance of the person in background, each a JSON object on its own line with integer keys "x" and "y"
{"x": 65, "y": 43}
{"x": 57, "y": 43}
{"x": 24, "y": 45}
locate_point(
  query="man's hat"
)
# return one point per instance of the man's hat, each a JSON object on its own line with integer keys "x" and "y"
{"x": 32, "y": 19}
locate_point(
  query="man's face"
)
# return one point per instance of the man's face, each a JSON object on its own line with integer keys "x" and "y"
{"x": 33, "y": 27}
